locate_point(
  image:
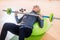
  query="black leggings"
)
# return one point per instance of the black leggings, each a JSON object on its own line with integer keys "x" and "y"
{"x": 15, "y": 29}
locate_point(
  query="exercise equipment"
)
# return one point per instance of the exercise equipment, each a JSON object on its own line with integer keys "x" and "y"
{"x": 9, "y": 11}
{"x": 37, "y": 32}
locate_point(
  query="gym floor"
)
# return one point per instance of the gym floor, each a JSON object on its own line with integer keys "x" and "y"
{"x": 47, "y": 6}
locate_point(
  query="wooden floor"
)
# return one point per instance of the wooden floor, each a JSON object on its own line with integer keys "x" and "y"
{"x": 52, "y": 34}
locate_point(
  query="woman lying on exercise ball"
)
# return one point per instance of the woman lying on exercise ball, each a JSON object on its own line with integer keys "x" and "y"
{"x": 23, "y": 30}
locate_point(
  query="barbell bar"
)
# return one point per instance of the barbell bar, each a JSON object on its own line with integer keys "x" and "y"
{"x": 9, "y": 11}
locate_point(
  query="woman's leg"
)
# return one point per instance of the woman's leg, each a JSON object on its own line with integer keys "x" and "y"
{"x": 28, "y": 32}
{"x": 21, "y": 33}
{"x": 24, "y": 32}
{"x": 8, "y": 27}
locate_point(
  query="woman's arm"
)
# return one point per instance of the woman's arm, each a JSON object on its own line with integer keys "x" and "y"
{"x": 18, "y": 20}
{"x": 40, "y": 21}
{"x": 16, "y": 17}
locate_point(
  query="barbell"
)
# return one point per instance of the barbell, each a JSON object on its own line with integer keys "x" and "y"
{"x": 9, "y": 11}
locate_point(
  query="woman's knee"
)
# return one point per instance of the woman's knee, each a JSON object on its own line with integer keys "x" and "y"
{"x": 5, "y": 25}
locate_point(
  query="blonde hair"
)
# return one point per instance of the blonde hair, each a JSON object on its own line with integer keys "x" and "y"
{"x": 35, "y": 6}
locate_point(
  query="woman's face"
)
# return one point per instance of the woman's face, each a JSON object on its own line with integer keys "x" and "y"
{"x": 36, "y": 9}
